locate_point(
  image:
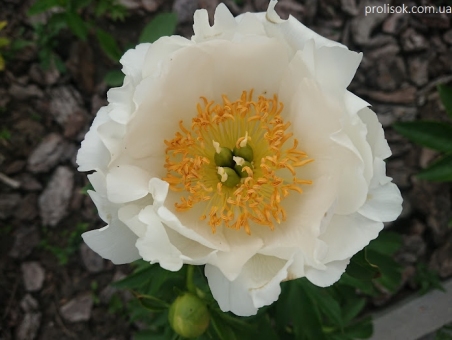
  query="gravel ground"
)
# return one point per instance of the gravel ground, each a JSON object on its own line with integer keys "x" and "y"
{"x": 54, "y": 287}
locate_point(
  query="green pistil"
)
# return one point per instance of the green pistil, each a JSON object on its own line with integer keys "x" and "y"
{"x": 231, "y": 164}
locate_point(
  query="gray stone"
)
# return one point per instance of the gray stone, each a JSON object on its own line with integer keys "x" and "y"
{"x": 363, "y": 25}
{"x": 78, "y": 309}
{"x": 25, "y": 92}
{"x": 25, "y": 239}
{"x": 55, "y": 199}
{"x": 415, "y": 317}
{"x": 65, "y": 100}
{"x": 418, "y": 69}
{"x": 412, "y": 41}
{"x": 29, "y": 304}
{"x": 441, "y": 260}
{"x": 92, "y": 261}
{"x": 44, "y": 77}
{"x": 395, "y": 23}
{"x": 7, "y": 204}
{"x": 447, "y": 37}
{"x": 130, "y": 4}
{"x": 412, "y": 250}
{"x": 28, "y": 208}
{"x": 29, "y": 327}
{"x": 33, "y": 276}
{"x": 185, "y": 10}
{"x": 406, "y": 95}
{"x": 28, "y": 182}
{"x": 349, "y": 7}
{"x": 47, "y": 154}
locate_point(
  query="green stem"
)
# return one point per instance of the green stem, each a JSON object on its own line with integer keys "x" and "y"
{"x": 190, "y": 285}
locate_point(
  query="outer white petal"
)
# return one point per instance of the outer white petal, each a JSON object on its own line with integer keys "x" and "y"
{"x": 258, "y": 285}
{"x": 384, "y": 203}
{"x": 291, "y": 30}
{"x": 114, "y": 242}
{"x": 93, "y": 154}
{"x": 133, "y": 62}
{"x": 155, "y": 246}
{"x": 127, "y": 183}
{"x": 326, "y": 277}
{"x": 224, "y": 23}
{"x": 242, "y": 248}
{"x": 121, "y": 101}
{"x": 111, "y": 134}
{"x": 375, "y": 134}
{"x": 348, "y": 234}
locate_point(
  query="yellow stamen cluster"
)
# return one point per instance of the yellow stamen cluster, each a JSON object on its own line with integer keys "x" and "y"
{"x": 257, "y": 197}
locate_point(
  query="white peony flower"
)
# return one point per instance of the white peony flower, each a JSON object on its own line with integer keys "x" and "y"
{"x": 242, "y": 150}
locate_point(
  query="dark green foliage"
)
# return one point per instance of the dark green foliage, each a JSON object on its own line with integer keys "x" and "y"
{"x": 434, "y": 135}
{"x": 163, "y": 24}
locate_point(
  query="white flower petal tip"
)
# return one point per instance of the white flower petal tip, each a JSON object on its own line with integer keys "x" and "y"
{"x": 271, "y": 14}
{"x": 263, "y": 102}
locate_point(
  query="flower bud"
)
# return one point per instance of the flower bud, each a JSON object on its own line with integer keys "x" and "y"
{"x": 188, "y": 316}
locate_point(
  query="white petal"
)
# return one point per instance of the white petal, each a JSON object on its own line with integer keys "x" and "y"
{"x": 384, "y": 203}
{"x": 158, "y": 190}
{"x": 128, "y": 214}
{"x": 112, "y": 135}
{"x": 335, "y": 67}
{"x": 192, "y": 252}
{"x": 107, "y": 210}
{"x": 97, "y": 180}
{"x": 93, "y": 154}
{"x": 224, "y": 22}
{"x": 133, "y": 61}
{"x": 155, "y": 246}
{"x": 375, "y": 134}
{"x": 121, "y": 101}
{"x": 258, "y": 285}
{"x": 348, "y": 234}
{"x": 114, "y": 242}
{"x": 242, "y": 248}
{"x": 127, "y": 183}
{"x": 159, "y": 52}
{"x": 326, "y": 277}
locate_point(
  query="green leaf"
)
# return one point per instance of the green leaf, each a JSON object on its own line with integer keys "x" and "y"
{"x": 386, "y": 243}
{"x": 162, "y": 25}
{"x": 136, "y": 279}
{"x": 352, "y": 308}
{"x": 77, "y": 25}
{"x": 439, "y": 171}
{"x": 326, "y": 304}
{"x": 445, "y": 93}
{"x": 223, "y": 330}
{"x": 360, "y": 268}
{"x": 108, "y": 45}
{"x": 434, "y": 135}
{"x": 362, "y": 329}
{"x": 4, "y": 42}
{"x": 391, "y": 271}
{"x": 79, "y": 4}
{"x": 43, "y": 5}
{"x": 114, "y": 78}
{"x": 296, "y": 309}
{"x": 152, "y": 303}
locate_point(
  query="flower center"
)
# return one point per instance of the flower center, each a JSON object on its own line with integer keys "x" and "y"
{"x": 238, "y": 160}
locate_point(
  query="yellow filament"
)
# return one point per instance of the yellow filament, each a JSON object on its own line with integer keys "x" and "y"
{"x": 256, "y": 200}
